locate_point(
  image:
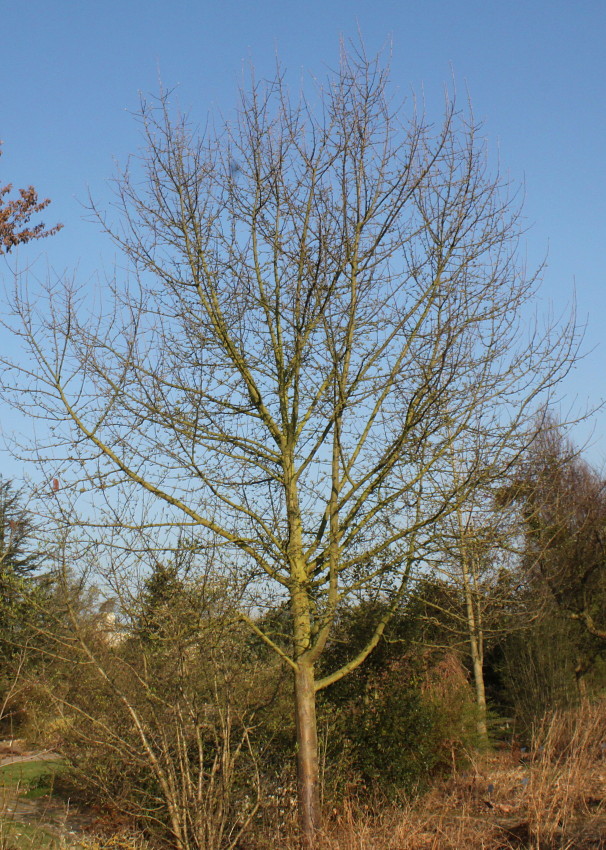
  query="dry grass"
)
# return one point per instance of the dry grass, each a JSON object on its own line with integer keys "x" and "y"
{"x": 116, "y": 842}
{"x": 551, "y": 798}
{"x": 567, "y": 777}
{"x": 402, "y": 828}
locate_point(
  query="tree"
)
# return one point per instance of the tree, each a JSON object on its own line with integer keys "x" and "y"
{"x": 22, "y": 591}
{"x": 463, "y": 605}
{"x": 16, "y": 214}
{"x": 18, "y": 550}
{"x": 473, "y": 557}
{"x": 19, "y": 559}
{"x": 562, "y": 503}
{"x": 325, "y": 299}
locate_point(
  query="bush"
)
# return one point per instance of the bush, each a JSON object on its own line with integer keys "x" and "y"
{"x": 410, "y": 722}
{"x": 158, "y": 715}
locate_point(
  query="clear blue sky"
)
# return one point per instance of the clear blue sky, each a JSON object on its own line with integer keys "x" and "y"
{"x": 535, "y": 71}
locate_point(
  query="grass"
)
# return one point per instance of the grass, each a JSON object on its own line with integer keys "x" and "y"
{"x": 30, "y": 779}
{"x": 567, "y": 781}
{"x": 33, "y": 778}
{"x": 15, "y": 835}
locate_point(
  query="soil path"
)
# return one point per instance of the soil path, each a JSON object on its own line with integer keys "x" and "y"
{"x": 42, "y": 755}
{"x": 51, "y": 814}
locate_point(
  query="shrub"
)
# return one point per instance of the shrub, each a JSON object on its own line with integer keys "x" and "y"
{"x": 410, "y": 722}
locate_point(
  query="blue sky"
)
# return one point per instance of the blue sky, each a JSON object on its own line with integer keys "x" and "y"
{"x": 535, "y": 71}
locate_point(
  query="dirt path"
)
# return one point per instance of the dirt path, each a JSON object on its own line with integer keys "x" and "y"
{"x": 51, "y": 814}
{"x": 42, "y": 755}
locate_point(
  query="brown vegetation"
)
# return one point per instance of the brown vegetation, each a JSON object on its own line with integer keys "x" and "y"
{"x": 553, "y": 798}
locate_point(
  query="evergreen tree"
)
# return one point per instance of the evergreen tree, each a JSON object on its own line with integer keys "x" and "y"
{"x": 20, "y": 558}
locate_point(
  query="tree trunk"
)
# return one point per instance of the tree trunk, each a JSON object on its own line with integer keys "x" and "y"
{"x": 477, "y": 654}
{"x": 478, "y": 678}
{"x": 308, "y": 786}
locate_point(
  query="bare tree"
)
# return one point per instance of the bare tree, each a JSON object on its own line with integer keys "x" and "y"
{"x": 474, "y": 556}
{"x": 324, "y": 299}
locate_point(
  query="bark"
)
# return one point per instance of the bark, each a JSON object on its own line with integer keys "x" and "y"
{"x": 478, "y": 678}
{"x": 308, "y": 788}
{"x": 308, "y": 785}
{"x": 475, "y": 643}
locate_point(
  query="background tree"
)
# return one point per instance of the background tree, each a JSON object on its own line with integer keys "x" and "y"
{"x": 473, "y": 564}
{"x": 15, "y": 216}
{"x": 22, "y": 589}
{"x": 18, "y": 542}
{"x": 562, "y": 503}
{"x": 325, "y": 299}
{"x": 20, "y": 557}
{"x": 465, "y": 605}
{"x": 399, "y": 719}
